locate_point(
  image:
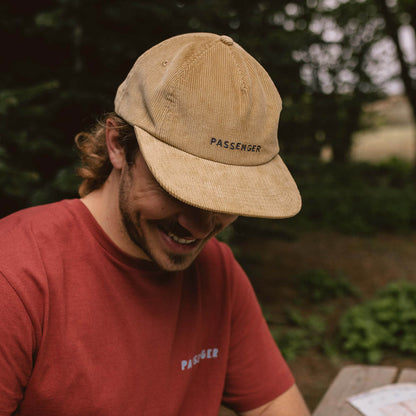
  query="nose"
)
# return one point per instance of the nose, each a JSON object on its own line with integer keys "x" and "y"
{"x": 201, "y": 223}
{"x": 198, "y": 222}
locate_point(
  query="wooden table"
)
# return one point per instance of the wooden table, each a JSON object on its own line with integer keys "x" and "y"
{"x": 356, "y": 379}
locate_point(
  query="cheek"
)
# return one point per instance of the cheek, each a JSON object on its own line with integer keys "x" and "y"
{"x": 155, "y": 206}
{"x": 145, "y": 201}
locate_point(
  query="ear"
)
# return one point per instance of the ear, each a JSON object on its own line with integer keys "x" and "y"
{"x": 115, "y": 151}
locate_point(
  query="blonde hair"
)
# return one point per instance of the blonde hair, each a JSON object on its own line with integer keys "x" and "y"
{"x": 95, "y": 161}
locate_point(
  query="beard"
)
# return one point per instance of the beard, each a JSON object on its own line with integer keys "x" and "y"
{"x": 132, "y": 225}
{"x": 150, "y": 235}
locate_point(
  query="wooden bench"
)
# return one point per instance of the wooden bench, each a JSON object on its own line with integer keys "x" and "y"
{"x": 356, "y": 379}
{"x": 352, "y": 380}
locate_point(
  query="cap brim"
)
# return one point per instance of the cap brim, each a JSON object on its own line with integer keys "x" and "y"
{"x": 266, "y": 191}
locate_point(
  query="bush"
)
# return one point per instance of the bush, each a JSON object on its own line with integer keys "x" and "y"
{"x": 301, "y": 331}
{"x": 300, "y": 334}
{"x": 355, "y": 198}
{"x": 385, "y": 323}
{"x": 319, "y": 285}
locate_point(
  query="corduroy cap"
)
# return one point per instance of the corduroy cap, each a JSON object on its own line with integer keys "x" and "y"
{"x": 206, "y": 115}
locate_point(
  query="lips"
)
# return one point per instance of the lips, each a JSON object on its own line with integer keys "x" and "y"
{"x": 181, "y": 240}
{"x": 177, "y": 234}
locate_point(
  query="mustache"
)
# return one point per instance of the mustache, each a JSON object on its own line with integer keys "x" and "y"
{"x": 172, "y": 226}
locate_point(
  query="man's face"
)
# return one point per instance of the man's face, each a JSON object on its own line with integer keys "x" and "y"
{"x": 169, "y": 232}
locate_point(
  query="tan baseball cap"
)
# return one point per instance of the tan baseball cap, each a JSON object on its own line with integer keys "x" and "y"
{"x": 206, "y": 114}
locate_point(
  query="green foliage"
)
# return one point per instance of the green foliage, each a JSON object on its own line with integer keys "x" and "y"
{"x": 365, "y": 332}
{"x": 300, "y": 334}
{"x": 63, "y": 68}
{"x": 385, "y": 323}
{"x": 318, "y": 285}
{"x": 356, "y": 198}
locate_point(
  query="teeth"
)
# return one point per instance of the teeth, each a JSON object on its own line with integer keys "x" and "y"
{"x": 180, "y": 240}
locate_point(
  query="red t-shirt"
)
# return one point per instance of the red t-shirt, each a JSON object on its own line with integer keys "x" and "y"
{"x": 86, "y": 329}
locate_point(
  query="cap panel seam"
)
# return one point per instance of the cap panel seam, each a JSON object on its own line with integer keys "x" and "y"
{"x": 233, "y": 54}
{"x": 207, "y": 47}
{"x": 214, "y": 111}
{"x": 170, "y": 96}
{"x": 138, "y": 61}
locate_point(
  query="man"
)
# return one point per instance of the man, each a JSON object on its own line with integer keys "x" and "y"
{"x": 122, "y": 302}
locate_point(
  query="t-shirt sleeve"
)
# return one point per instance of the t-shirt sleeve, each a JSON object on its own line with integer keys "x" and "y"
{"x": 16, "y": 348}
{"x": 257, "y": 372}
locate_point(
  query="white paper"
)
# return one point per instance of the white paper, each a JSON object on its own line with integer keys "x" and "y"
{"x": 391, "y": 400}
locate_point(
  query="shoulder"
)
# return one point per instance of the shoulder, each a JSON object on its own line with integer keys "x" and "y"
{"x": 37, "y": 214}
{"x": 31, "y": 240}
{"x": 37, "y": 219}
{"x": 23, "y": 232}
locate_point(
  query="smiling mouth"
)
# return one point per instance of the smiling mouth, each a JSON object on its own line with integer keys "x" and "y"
{"x": 181, "y": 240}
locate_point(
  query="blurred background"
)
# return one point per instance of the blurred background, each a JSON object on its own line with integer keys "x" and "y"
{"x": 338, "y": 282}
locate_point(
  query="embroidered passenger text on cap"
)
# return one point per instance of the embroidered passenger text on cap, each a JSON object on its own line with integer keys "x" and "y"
{"x": 206, "y": 115}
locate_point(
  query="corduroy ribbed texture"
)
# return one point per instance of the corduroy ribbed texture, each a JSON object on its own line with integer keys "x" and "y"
{"x": 206, "y": 115}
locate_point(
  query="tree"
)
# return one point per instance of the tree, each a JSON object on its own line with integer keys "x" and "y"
{"x": 67, "y": 57}
{"x": 337, "y": 69}
{"x": 400, "y": 14}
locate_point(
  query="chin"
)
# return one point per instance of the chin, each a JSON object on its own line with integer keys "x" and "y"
{"x": 174, "y": 263}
